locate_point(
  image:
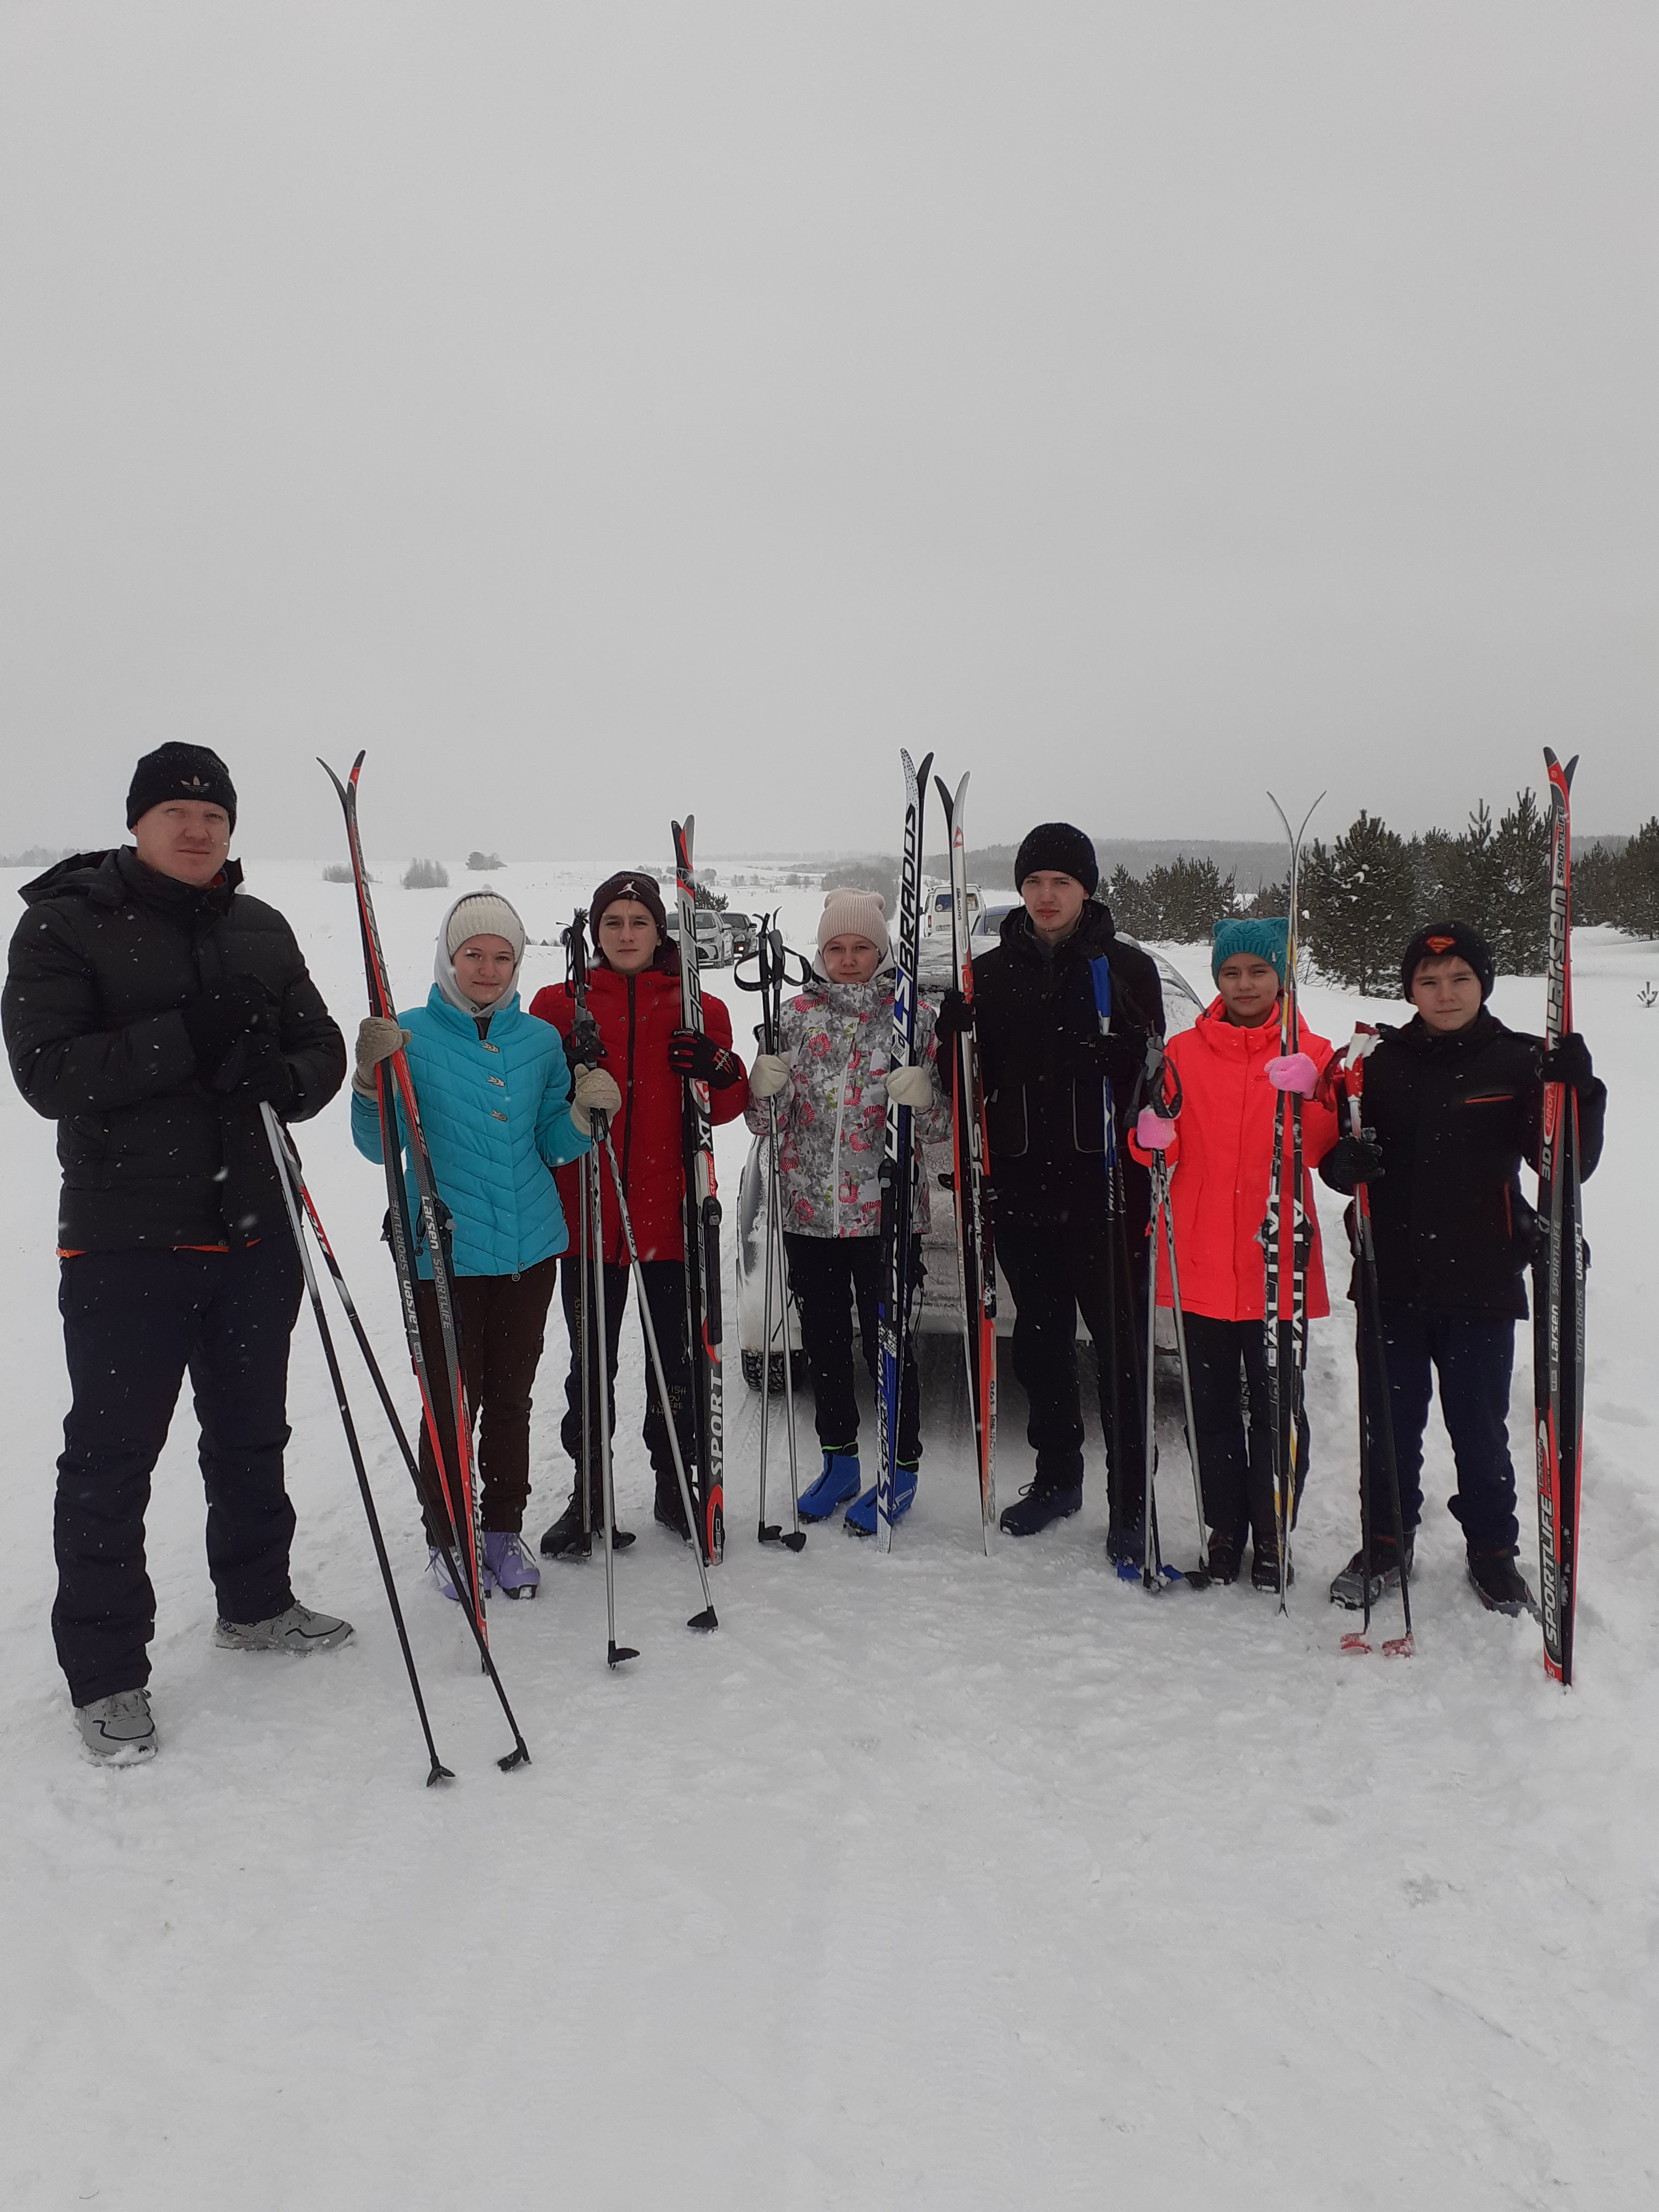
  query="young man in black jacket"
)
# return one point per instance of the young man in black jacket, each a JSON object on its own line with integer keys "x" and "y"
{"x": 150, "y": 1007}
{"x": 1454, "y": 1104}
{"x": 1072, "y": 1206}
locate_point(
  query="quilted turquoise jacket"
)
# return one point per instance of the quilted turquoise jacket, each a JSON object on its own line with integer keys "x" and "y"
{"x": 496, "y": 1114}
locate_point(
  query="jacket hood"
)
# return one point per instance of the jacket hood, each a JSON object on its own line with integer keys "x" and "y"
{"x": 109, "y": 878}
{"x": 1223, "y": 1036}
{"x": 461, "y": 1013}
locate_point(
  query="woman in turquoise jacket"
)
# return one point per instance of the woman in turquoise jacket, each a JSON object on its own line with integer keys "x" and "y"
{"x": 499, "y": 1114}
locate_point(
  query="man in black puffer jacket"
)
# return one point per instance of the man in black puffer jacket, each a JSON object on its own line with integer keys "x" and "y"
{"x": 151, "y": 1007}
{"x": 1453, "y": 1104}
{"x": 1063, "y": 1246}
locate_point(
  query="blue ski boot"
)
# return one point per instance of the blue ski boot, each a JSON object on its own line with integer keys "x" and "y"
{"x": 859, "y": 1520}
{"x": 838, "y": 1482}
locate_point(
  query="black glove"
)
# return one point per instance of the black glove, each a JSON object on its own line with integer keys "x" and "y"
{"x": 700, "y": 1057}
{"x": 265, "y": 1074}
{"x": 228, "y": 1010}
{"x": 955, "y": 1017}
{"x": 1569, "y": 1062}
{"x": 1349, "y": 1162}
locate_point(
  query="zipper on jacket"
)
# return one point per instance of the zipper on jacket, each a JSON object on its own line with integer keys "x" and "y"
{"x": 628, "y": 1134}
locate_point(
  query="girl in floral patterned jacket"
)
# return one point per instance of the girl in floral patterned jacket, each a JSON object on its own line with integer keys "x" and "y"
{"x": 831, "y": 1080}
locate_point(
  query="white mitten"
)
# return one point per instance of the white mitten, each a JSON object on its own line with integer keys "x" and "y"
{"x": 769, "y": 1075}
{"x": 910, "y": 1086}
{"x": 592, "y": 1092}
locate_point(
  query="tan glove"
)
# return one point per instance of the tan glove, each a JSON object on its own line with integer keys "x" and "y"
{"x": 769, "y": 1075}
{"x": 910, "y": 1086}
{"x": 378, "y": 1038}
{"x": 592, "y": 1092}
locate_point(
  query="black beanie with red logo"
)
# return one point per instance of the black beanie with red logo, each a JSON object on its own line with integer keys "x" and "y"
{"x": 1437, "y": 940}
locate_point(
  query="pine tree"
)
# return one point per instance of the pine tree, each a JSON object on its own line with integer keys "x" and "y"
{"x": 1518, "y": 924}
{"x": 1126, "y": 896}
{"x": 1637, "y": 882}
{"x": 1359, "y": 898}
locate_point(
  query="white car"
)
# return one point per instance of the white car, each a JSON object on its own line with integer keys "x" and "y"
{"x": 940, "y": 1308}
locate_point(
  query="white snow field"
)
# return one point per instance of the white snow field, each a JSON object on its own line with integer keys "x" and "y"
{"x": 936, "y": 1880}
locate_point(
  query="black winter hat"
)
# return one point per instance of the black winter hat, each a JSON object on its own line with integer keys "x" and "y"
{"x": 1437, "y": 938}
{"x": 180, "y": 771}
{"x": 629, "y": 883}
{"x": 1058, "y": 846}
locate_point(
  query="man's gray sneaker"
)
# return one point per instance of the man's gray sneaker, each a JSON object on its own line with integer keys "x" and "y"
{"x": 1349, "y": 1587}
{"x": 299, "y": 1629}
{"x": 117, "y": 1731}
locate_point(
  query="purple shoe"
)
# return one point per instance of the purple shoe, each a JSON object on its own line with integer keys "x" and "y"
{"x": 514, "y": 1573}
{"x": 440, "y": 1574}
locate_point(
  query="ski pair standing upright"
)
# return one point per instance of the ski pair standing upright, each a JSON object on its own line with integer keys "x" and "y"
{"x": 1286, "y": 1239}
{"x": 1558, "y": 1302}
{"x": 970, "y": 1175}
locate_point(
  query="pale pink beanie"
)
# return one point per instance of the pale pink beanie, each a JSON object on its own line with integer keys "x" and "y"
{"x": 854, "y": 913}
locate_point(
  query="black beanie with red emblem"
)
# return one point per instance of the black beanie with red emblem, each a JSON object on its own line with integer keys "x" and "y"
{"x": 1437, "y": 939}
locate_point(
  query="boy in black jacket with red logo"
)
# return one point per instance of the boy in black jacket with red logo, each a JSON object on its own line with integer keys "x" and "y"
{"x": 1453, "y": 1102}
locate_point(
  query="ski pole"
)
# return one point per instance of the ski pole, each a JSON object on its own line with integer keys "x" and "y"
{"x": 287, "y": 1160}
{"x": 772, "y": 972}
{"x": 439, "y": 1771}
{"x": 615, "y": 1652}
{"x": 706, "y": 1618}
{"x": 1376, "y": 1403}
{"x": 1161, "y": 1185}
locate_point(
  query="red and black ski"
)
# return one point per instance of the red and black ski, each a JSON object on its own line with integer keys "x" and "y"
{"x": 976, "y": 1257}
{"x": 702, "y": 1226}
{"x": 396, "y": 1088}
{"x": 1558, "y": 1303}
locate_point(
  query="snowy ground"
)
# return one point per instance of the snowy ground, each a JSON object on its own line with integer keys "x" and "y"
{"x": 933, "y": 1881}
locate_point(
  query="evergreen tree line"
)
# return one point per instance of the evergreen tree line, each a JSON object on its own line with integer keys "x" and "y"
{"x": 1363, "y": 897}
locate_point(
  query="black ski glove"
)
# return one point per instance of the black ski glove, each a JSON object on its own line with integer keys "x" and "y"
{"x": 1349, "y": 1162}
{"x": 955, "y": 1017}
{"x": 1569, "y": 1062}
{"x": 701, "y": 1058}
{"x": 228, "y": 1010}
{"x": 265, "y": 1074}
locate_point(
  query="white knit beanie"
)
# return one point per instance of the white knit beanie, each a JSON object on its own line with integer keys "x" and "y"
{"x": 483, "y": 913}
{"x": 854, "y": 913}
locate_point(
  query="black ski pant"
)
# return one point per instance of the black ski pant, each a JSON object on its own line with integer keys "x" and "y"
{"x": 1232, "y": 1407}
{"x": 831, "y": 1277}
{"x": 1057, "y": 1269}
{"x": 503, "y": 1324}
{"x": 665, "y": 1292}
{"x": 1473, "y": 1356}
{"x": 134, "y": 1323}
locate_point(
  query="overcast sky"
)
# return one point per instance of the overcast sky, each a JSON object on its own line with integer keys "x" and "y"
{"x": 597, "y": 410}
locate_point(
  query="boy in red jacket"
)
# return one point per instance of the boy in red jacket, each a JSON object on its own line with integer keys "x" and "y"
{"x": 634, "y": 995}
{"x": 1229, "y": 1071}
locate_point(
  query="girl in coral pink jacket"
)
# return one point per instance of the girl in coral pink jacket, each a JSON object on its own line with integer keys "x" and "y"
{"x": 1230, "y": 1073}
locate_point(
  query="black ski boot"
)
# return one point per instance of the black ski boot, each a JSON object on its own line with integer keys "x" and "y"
{"x": 568, "y": 1539}
{"x": 1499, "y": 1584}
{"x": 1349, "y": 1586}
{"x": 669, "y": 1512}
{"x": 1264, "y": 1567}
{"x": 1227, "y": 1557}
{"x": 1038, "y": 1507}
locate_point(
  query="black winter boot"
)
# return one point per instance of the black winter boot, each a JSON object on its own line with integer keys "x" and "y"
{"x": 1349, "y": 1586}
{"x": 1038, "y": 1507}
{"x": 1499, "y": 1584}
{"x": 568, "y": 1539}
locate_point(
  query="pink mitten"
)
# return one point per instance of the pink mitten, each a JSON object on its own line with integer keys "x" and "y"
{"x": 1153, "y": 1132}
{"x": 1295, "y": 1072}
